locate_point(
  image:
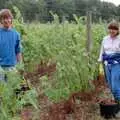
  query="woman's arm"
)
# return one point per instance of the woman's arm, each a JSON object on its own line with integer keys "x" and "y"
{"x": 101, "y": 53}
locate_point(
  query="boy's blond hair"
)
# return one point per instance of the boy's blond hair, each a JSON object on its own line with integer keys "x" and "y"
{"x": 5, "y": 13}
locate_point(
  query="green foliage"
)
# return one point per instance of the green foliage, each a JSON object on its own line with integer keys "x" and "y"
{"x": 65, "y": 45}
{"x": 18, "y": 22}
{"x": 10, "y": 104}
{"x": 38, "y": 10}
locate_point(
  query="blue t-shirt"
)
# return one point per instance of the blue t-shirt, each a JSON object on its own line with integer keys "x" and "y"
{"x": 9, "y": 46}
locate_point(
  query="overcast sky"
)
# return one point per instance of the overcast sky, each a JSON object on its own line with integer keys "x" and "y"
{"x": 116, "y": 2}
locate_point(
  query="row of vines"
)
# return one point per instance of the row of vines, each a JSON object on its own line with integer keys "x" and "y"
{"x": 60, "y": 44}
{"x": 63, "y": 44}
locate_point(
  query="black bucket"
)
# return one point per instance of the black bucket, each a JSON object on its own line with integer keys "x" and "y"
{"x": 108, "y": 110}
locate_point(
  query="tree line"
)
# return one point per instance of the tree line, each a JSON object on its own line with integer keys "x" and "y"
{"x": 40, "y": 9}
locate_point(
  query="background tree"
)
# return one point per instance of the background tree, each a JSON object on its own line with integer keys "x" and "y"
{"x": 40, "y": 9}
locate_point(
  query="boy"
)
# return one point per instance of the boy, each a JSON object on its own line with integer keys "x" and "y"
{"x": 10, "y": 52}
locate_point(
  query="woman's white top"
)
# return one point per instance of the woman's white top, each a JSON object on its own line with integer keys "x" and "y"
{"x": 109, "y": 46}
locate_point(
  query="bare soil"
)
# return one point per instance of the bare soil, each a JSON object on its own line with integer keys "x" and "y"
{"x": 80, "y": 105}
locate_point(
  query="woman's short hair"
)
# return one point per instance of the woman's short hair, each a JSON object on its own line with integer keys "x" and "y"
{"x": 5, "y": 13}
{"x": 113, "y": 25}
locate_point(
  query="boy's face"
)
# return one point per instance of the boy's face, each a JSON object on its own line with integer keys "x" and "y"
{"x": 6, "y": 22}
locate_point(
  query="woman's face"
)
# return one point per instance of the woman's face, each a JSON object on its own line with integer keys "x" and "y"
{"x": 113, "y": 32}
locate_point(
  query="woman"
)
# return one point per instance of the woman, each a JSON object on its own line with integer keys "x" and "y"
{"x": 110, "y": 56}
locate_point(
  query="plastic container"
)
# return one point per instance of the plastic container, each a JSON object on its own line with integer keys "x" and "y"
{"x": 108, "y": 110}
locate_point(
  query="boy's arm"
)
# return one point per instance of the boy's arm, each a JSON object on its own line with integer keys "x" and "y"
{"x": 18, "y": 50}
{"x": 19, "y": 57}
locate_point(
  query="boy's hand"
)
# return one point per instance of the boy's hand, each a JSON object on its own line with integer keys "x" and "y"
{"x": 19, "y": 57}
